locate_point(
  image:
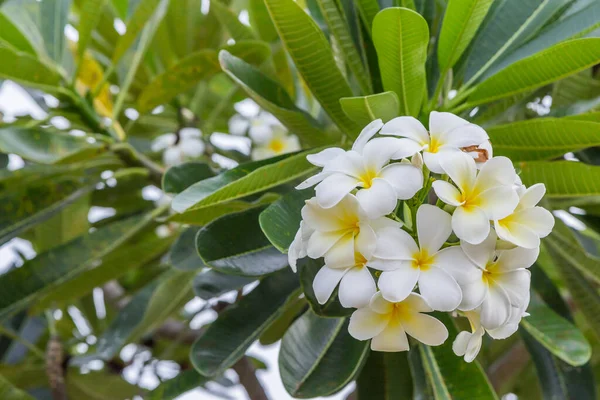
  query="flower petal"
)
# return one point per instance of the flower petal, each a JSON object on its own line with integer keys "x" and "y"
{"x": 366, "y": 240}
{"x": 465, "y": 136}
{"x": 417, "y": 303}
{"x": 313, "y": 180}
{"x": 441, "y": 123}
{"x": 323, "y": 157}
{"x": 334, "y": 188}
{"x": 406, "y": 179}
{"x": 238, "y": 125}
{"x": 439, "y": 289}
{"x": 459, "y": 346}
{"x": 483, "y": 253}
{"x": 318, "y": 218}
{"x": 470, "y": 224}
{"x": 433, "y": 160}
{"x": 516, "y": 285}
{"x": 473, "y": 293}
{"x": 474, "y": 345}
{"x": 341, "y": 254}
{"x": 380, "y": 305}
{"x": 425, "y": 328}
{"x": 396, "y": 285}
{"x": 395, "y": 244}
{"x": 498, "y": 171}
{"x": 366, "y": 134}
{"x": 349, "y": 163}
{"x": 496, "y": 308}
{"x": 517, "y": 234}
{"x": 532, "y": 195}
{"x": 460, "y": 168}
{"x": 378, "y": 200}
{"x": 407, "y": 148}
{"x": 365, "y": 324}
{"x": 434, "y": 226}
{"x": 516, "y": 258}
{"x": 378, "y": 152}
{"x": 498, "y": 202}
{"x": 391, "y": 339}
{"x": 357, "y": 288}
{"x": 454, "y": 261}
{"x": 321, "y": 242}
{"x": 447, "y": 192}
{"x": 538, "y": 219}
{"x": 325, "y": 282}
{"x": 382, "y": 264}
{"x": 408, "y": 127}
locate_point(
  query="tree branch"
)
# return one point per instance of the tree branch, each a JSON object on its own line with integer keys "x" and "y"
{"x": 248, "y": 379}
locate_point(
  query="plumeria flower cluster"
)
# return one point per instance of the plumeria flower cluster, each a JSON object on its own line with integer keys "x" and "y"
{"x": 177, "y": 148}
{"x": 395, "y": 257}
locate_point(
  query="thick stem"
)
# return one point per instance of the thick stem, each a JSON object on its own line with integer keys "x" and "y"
{"x": 248, "y": 379}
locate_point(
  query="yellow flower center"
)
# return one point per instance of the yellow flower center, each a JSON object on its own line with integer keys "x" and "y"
{"x": 276, "y": 145}
{"x": 434, "y": 145}
{"x": 400, "y": 312}
{"x": 360, "y": 260}
{"x": 422, "y": 260}
{"x": 367, "y": 178}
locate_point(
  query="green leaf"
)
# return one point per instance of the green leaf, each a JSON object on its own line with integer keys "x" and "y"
{"x": 254, "y": 52}
{"x": 281, "y": 220}
{"x": 227, "y": 339}
{"x": 451, "y": 377}
{"x": 461, "y": 21}
{"x": 385, "y": 376}
{"x": 245, "y": 180}
{"x": 556, "y": 334}
{"x": 244, "y": 250}
{"x": 179, "y": 78}
{"x": 562, "y": 178}
{"x": 175, "y": 387}
{"x": 47, "y": 147}
{"x": 24, "y": 20}
{"x": 149, "y": 308}
{"x": 401, "y": 36}
{"x": 183, "y": 255}
{"x": 312, "y": 55}
{"x": 9, "y": 392}
{"x": 271, "y": 96}
{"x": 318, "y": 357}
{"x": 230, "y": 21}
{"x": 28, "y": 70}
{"x": 538, "y": 70}
{"x": 339, "y": 28}
{"x": 574, "y": 89}
{"x": 56, "y": 266}
{"x": 54, "y": 15}
{"x": 365, "y": 109}
{"x": 543, "y": 138}
{"x": 261, "y": 21}
{"x": 508, "y": 25}
{"x": 11, "y": 35}
{"x": 180, "y": 177}
{"x": 89, "y": 17}
{"x": 99, "y": 386}
{"x": 307, "y": 270}
{"x": 292, "y": 309}
{"x": 574, "y": 25}
{"x": 204, "y": 215}
{"x": 367, "y": 9}
{"x": 210, "y": 284}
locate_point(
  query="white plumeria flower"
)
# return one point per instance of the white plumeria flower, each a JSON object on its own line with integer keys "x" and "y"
{"x": 447, "y": 134}
{"x": 297, "y": 249}
{"x": 276, "y": 143}
{"x": 366, "y": 167}
{"x": 340, "y": 231}
{"x": 189, "y": 146}
{"x": 404, "y": 263}
{"x": 387, "y": 324}
{"x": 501, "y": 280}
{"x": 478, "y": 197}
{"x": 529, "y": 222}
{"x": 258, "y": 124}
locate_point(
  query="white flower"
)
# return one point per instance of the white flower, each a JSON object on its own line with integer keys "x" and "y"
{"x": 447, "y": 134}
{"x": 478, "y": 197}
{"x": 502, "y": 280}
{"x": 404, "y": 263}
{"x": 388, "y": 323}
{"x": 297, "y": 249}
{"x": 277, "y": 142}
{"x": 258, "y": 124}
{"x": 366, "y": 167}
{"x": 189, "y": 146}
{"x": 529, "y": 222}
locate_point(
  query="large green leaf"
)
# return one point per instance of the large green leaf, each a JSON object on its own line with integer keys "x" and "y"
{"x": 574, "y": 89}
{"x": 449, "y": 375}
{"x": 243, "y": 250}
{"x": 367, "y": 9}
{"x": 385, "y": 376}
{"x": 28, "y": 70}
{"x": 180, "y": 177}
{"x": 540, "y": 69}
{"x": 271, "y": 96}
{"x": 49, "y": 269}
{"x": 339, "y": 28}
{"x": 11, "y": 35}
{"x": 180, "y": 77}
{"x": 556, "y": 334}
{"x": 53, "y": 18}
{"x": 230, "y": 21}
{"x": 210, "y": 284}
{"x": 46, "y": 147}
{"x": 175, "y": 387}
{"x": 281, "y": 220}
{"x": 261, "y": 20}
{"x": 401, "y": 36}
{"x": 227, "y": 339}
{"x": 461, "y": 21}
{"x": 508, "y": 25}
{"x": 183, "y": 255}
{"x": 307, "y": 270}
{"x": 201, "y": 216}
{"x": 365, "y": 109}
{"x": 291, "y": 310}
{"x": 244, "y": 180}
{"x": 574, "y": 25}
{"x": 9, "y": 392}
{"x": 318, "y": 357}
{"x": 543, "y": 138}
{"x": 562, "y": 178}
{"x": 89, "y": 18}
{"x": 312, "y": 55}
{"x": 149, "y": 308}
